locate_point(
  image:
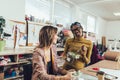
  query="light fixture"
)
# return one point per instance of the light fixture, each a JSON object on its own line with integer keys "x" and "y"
{"x": 117, "y": 13}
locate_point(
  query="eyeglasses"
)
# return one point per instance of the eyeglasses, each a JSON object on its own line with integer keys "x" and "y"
{"x": 78, "y": 28}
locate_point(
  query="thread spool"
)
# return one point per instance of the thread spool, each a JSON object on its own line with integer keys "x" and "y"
{"x": 118, "y": 62}
{"x": 100, "y": 75}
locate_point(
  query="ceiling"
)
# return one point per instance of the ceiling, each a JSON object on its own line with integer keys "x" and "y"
{"x": 102, "y": 8}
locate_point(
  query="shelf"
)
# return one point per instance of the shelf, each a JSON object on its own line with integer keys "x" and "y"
{"x": 14, "y": 63}
{"x": 11, "y": 78}
{"x": 21, "y": 60}
{"x": 36, "y": 23}
{"x": 20, "y": 22}
{"x": 16, "y": 51}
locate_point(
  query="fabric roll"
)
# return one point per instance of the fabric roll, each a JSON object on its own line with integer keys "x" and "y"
{"x": 111, "y": 55}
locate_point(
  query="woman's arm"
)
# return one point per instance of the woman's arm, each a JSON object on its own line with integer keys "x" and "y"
{"x": 87, "y": 53}
{"x": 58, "y": 69}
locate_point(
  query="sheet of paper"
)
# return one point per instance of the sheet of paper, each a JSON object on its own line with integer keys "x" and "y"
{"x": 111, "y": 72}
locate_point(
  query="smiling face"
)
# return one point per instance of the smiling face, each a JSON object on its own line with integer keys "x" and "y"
{"x": 77, "y": 31}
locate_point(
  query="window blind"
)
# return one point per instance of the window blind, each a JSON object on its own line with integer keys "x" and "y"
{"x": 91, "y": 24}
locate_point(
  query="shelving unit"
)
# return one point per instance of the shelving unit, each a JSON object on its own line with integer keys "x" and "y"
{"x": 30, "y": 29}
{"x": 15, "y": 53}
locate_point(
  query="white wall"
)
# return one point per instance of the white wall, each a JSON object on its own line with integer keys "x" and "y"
{"x": 12, "y": 9}
{"x": 74, "y": 13}
{"x": 100, "y": 28}
{"x": 113, "y": 30}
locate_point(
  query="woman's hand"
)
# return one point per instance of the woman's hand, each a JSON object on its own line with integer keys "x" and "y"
{"x": 68, "y": 76}
{"x": 83, "y": 50}
{"x": 72, "y": 74}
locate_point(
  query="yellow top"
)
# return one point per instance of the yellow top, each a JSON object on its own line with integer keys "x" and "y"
{"x": 74, "y": 45}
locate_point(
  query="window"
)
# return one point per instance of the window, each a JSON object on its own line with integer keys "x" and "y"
{"x": 83, "y": 20}
{"x": 87, "y": 21}
{"x": 38, "y": 8}
{"x": 62, "y": 13}
{"x": 91, "y": 24}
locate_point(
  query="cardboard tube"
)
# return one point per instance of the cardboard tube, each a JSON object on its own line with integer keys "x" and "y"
{"x": 111, "y": 55}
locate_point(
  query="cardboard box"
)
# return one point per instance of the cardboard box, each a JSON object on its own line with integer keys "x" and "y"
{"x": 1, "y": 76}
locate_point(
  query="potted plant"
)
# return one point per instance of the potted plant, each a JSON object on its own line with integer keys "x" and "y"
{"x": 2, "y": 41}
{"x": 2, "y": 33}
{"x": 2, "y": 24}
